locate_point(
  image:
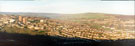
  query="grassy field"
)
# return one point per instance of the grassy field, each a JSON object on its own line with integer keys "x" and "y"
{"x": 83, "y": 16}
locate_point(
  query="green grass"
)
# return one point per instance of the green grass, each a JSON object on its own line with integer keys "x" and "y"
{"x": 96, "y": 26}
{"x": 24, "y": 31}
{"x": 89, "y": 16}
{"x": 84, "y": 16}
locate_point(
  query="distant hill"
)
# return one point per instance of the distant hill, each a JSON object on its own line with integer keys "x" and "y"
{"x": 68, "y": 16}
{"x": 51, "y": 15}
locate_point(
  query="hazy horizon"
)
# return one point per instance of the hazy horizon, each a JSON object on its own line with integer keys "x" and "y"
{"x": 69, "y": 6}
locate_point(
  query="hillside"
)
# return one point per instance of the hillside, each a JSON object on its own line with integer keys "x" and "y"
{"x": 88, "y": 26}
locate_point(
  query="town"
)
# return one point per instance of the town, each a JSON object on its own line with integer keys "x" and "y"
{"x": 100, "y": 29}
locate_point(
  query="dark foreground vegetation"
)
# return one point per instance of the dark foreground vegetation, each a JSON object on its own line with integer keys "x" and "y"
{"x": 14, "y": 39}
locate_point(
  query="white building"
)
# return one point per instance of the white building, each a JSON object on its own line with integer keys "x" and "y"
{"x": 11, "y": 20}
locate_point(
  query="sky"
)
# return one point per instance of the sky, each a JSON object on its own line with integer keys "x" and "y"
{"x": 69, "y": 6}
